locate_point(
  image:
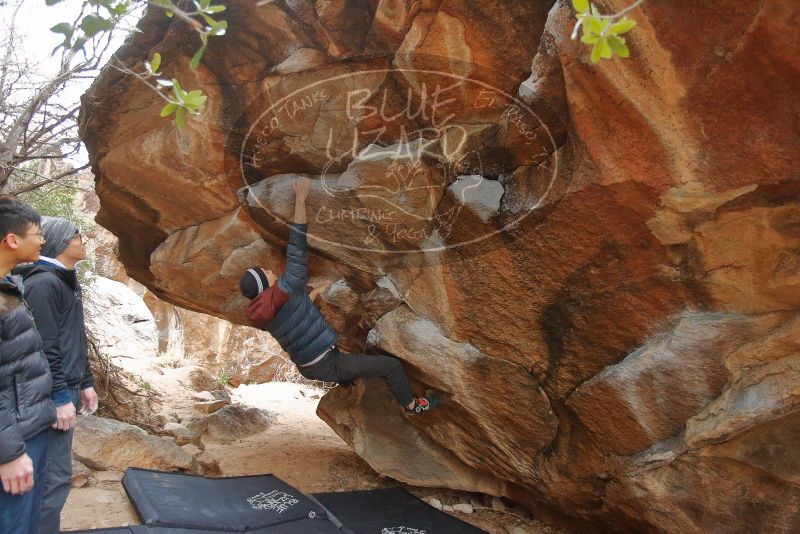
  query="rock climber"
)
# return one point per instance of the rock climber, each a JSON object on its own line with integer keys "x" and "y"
{"x": 281, "y": 306}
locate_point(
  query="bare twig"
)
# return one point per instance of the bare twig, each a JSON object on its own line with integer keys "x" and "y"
{"x": 46, "y": 181}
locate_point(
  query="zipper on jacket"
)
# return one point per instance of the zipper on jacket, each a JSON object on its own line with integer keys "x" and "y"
{"x": 28, "y": 310}
{"x": 16, "y": 398}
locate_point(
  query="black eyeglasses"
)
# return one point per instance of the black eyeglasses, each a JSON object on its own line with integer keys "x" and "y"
{"x": 23, "y": 235}
{"x": 79, "y": 235}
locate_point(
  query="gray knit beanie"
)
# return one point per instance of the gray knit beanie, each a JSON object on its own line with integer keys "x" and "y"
{"x": 57, "y": 233}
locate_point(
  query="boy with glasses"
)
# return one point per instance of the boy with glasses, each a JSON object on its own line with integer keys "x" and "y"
{"x": 26, "y": 410}
{"x": 54, "y": 295}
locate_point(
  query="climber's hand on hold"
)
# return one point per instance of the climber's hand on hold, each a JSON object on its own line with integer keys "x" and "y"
{"x": 301, "y": 188}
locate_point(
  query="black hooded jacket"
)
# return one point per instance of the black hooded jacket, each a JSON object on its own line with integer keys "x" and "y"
{"x": 54, "y": 296}
{"x": 25, "y": 405}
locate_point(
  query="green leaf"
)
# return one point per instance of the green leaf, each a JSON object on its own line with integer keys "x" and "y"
{"x": 169, "y": 109}
{"x": 210, "y": 21}
{"x": 155, "y": 62}
{"x": 178, "y": 95}
{"x": 622, "y": 26}
{"x": 64, "y": 28}
{"x": 93, "y": 24}
{"x": 52, "y": 2}
{"x": 593, "y": 25}
{"x": 180, "y": 118}
{"x": 618, "y": 46}
{"x": 596, "y": 51}
{"x": 590, "y": 38}
{"x": 605, "y": 48}
{"x": 198, "y": 56}
{"x": 581, "y": 6}
{"x": 193, "y": 98}
{"x": 218, "y": 9}
{"x": 220, "y": 28}
{"x": 120, "y": 9}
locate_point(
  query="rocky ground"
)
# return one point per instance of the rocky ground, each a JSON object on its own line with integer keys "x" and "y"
{"x": 254, "y": 429}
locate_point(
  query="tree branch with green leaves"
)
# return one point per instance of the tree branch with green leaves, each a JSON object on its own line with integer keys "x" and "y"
{"x": 108, "y": 14}
{"x": 603, "y": 32}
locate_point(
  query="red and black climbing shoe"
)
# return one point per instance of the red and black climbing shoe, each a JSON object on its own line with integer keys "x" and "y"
{"x": 422, "y": 404}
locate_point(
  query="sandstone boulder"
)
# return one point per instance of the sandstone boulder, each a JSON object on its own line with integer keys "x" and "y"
{"x": 260, "y": 372}
{"x": 210, "y": 406}
{"x": 120, "y": 322}
{"x": 80, "y": 474}
{"x": 201, "y": 380}
{"x": 595, "y": 265}
{"x": 231, "y": 423}
{"x": 182, "y": 435}
{"x": 107, "y": 444}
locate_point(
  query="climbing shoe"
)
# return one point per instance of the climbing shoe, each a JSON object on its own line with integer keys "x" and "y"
{"x": 422, "y": 404}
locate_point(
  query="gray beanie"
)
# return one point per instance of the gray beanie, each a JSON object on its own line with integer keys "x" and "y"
{"x": 57, "y": 233}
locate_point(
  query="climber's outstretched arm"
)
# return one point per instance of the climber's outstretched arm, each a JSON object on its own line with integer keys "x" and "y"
{"x": 295, "y": 276}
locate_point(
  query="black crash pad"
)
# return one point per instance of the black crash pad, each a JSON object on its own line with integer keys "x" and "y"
{"x": 390, "y": 511}
{"x": 230, "y": 504}
{"x": 137, "y": 529}
{"x": 318, "y": 525}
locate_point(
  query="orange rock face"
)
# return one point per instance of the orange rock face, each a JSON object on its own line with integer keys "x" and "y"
{"x": 597, "y": 267}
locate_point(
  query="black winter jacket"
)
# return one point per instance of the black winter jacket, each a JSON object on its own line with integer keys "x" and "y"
{"x": 25, "y": 384}
{"x": 54, "y": 296}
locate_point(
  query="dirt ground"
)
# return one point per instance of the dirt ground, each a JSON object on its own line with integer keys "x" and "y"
{"x": 298, "y": 447}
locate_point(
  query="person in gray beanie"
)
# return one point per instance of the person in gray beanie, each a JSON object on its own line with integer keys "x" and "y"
{"x": 53, "y": 293}
{"x": 57, "y": 233}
